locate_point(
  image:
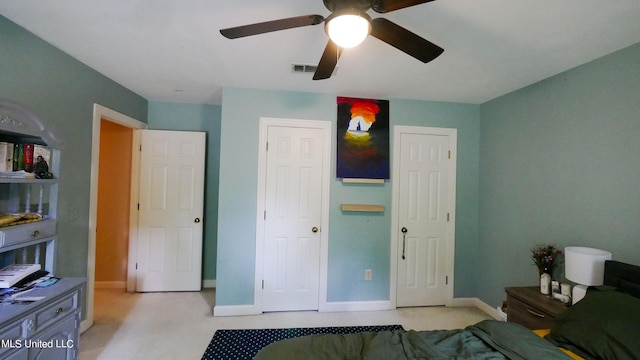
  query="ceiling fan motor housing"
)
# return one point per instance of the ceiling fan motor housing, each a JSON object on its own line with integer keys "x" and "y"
{"x": 346, "y": 11}
{"x": 335, "y": 5}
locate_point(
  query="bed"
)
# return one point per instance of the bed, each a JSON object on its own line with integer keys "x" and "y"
{"x": 604, "y": 325}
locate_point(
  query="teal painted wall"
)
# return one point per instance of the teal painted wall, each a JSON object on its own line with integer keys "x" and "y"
{"x": 356, "y": 241}
{"x": 205, "y": 118}
{"x": 556, "y": 162}
{"x": 62, "y": 91}
{"x": 560, "y": 163}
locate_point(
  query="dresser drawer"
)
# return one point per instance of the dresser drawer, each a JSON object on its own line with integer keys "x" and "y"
{"x": 528, "y": 307}
{"x": 64, "y": 337}
{"x": 11, "y": 337}
{"x": 55, "y": 311}
{"x": 528, "y": 315}
{"x": 21, "y": 233}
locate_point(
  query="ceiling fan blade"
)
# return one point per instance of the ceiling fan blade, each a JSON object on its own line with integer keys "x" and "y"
{"x": 269, "y": 26}
{"x": 404, "y": 40}
{"x": 383, "y": 6}
{"x": 328, "y": 61}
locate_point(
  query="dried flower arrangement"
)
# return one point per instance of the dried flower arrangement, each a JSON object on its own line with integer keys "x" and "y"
{"x": 546, "y": 258}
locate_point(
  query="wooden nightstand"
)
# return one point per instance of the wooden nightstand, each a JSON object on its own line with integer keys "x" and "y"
{"x": 532, "y": 309}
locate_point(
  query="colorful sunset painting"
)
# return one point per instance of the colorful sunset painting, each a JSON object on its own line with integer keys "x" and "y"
{"x": 363, "y": 138}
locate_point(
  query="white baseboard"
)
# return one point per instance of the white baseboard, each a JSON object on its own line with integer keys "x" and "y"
{"x": 208, "y": 283}
{"x": 239, "y": 310}
{"x": 84, "y": 326}
{"x": 347, "y": 306}
{"x": 464, "y": 302}
{"x": 110, "y": 285}
{"x": 355, "y": 306}
{"x": 475, "y": 302}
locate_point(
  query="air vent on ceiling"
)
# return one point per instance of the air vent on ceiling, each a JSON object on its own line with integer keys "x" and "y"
{"x": 301, "y": 68}
{"x": 307, "y": 69}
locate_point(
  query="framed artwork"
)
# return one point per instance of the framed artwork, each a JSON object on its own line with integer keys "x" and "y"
{"x": 362, "y": 139}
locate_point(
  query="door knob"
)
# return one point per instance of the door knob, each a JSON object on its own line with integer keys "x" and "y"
{"x": 314, "y": 229}
{"x": 197, "y": 220}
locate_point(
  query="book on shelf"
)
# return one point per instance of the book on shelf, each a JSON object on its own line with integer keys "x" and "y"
{"x": 6, "y": 156}
{"x": 27, "y": 153}
{"x": 12, "y": 274}
{"x": 18, "y": 157}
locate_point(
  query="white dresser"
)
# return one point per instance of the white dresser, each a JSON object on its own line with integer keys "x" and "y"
{"x": 45, "y": 329}
{"x": 48, "y": 328}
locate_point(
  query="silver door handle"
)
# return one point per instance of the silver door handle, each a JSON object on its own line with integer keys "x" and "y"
{"x": 404, "y": 240}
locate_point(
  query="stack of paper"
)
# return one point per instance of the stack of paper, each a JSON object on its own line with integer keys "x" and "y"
{"x": 11, "y": 274}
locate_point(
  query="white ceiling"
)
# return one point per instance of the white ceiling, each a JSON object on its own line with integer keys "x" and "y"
{"x": 171, "y": 50}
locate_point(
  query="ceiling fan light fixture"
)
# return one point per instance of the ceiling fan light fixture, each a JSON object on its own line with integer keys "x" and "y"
{"x": 348, "y": 28}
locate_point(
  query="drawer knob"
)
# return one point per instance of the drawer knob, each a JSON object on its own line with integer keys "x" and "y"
{"x": 36, "y": 233}
{"x": 59, "y": 311}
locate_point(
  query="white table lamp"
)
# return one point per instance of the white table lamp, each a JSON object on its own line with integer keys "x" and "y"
{"x": 585, "y": 267}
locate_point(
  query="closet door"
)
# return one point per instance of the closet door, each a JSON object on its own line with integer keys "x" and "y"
{"x": 426, "y": 204}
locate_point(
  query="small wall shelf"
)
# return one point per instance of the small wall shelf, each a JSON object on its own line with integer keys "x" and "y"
{"x": 362, "y": 181}
{"x": 362, "y": 207}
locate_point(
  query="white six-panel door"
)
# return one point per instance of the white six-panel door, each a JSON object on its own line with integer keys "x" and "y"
{"x": 291, "y": 238}
{"x": 169, "y": 256}
{"x": 425, "y": 218}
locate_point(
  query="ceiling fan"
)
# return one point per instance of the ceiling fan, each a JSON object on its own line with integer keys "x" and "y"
{"x": 355, "y": 10}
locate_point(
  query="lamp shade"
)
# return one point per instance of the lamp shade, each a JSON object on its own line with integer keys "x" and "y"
{"x": 585, "y": 265}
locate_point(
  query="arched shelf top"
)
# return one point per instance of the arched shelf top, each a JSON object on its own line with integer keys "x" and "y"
{"x": 20, "y": 121}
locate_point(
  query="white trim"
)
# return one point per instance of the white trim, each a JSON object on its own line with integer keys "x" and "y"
{"x": 464, "y": 302}
{"x": 132, "y": 256}
{"x": 477, "y": 303}
{"x": 324, "y": 225}
{"x": 100, "y": 112}
{"x": 357, "y": 306}
{"x": 398, "y": 130}
{"x": 236, "y": 310}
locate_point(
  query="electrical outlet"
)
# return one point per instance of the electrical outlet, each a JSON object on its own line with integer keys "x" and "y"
{"x": 368, "y": 274}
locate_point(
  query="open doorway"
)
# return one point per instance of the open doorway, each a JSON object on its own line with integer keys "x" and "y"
{"x": 121, "y": 125}
{"x": 114, "y": 189}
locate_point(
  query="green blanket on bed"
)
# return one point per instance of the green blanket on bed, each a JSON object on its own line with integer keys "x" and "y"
{"x": 486, "y": 340}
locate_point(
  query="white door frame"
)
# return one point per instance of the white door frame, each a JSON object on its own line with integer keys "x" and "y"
{"x": 260, "y": 222}
{"x": 398, "y": 130}
{"x": 100, "y": 112}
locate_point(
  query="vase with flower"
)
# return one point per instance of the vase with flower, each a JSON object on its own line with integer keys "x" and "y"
{"x": 546, "y": 258}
